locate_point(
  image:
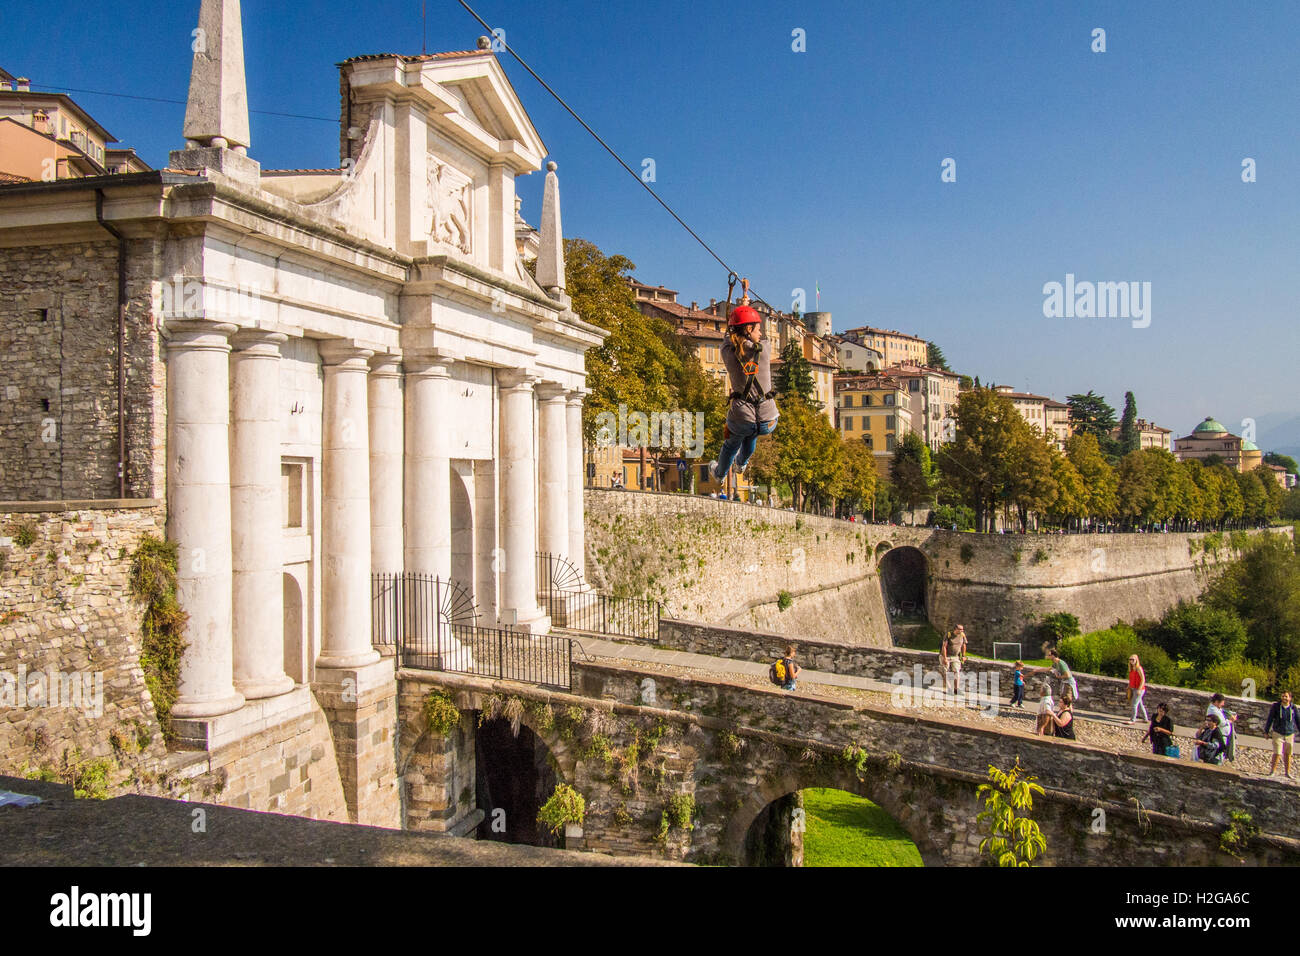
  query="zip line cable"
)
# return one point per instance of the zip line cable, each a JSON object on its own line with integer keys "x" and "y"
{"x": 160, "y": 99}
{"x": 617, "y": 158}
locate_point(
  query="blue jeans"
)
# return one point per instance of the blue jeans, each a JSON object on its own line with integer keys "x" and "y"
{"x": 789, "y": 685}
{"x": 742, "y": 443}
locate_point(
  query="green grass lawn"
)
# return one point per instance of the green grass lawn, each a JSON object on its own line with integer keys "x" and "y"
{"x": 927, "y": 639}
{"x": 846, "y": 830}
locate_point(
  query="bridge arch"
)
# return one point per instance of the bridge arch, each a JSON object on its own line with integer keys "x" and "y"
{"x": 887, "y": 792}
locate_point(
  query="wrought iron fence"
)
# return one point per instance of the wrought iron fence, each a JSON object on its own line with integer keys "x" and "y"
{"x": 431, "y": 624}
{"x": 571, "y": 605}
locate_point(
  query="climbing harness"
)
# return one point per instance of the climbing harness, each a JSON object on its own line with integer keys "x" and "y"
{"x": 751, "y": 393}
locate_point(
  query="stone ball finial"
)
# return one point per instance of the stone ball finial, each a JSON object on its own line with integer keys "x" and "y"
{"x": 550, "y": 167}
{"x": 485, "y": 43}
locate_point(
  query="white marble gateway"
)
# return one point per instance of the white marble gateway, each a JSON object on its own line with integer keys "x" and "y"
{"x": 394, "y": 392}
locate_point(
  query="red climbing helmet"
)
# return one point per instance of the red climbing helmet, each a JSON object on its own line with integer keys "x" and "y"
{"x": 744, "y": 315}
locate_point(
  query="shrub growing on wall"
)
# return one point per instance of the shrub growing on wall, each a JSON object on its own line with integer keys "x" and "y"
{"x": 153, "y": 581}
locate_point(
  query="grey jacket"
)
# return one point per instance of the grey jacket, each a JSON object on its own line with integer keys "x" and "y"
{"x": 741, "y": 414}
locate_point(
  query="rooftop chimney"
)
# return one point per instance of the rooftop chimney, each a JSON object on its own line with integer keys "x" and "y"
{"x": 5, "y": 85}
{"x": 24, "y": 84}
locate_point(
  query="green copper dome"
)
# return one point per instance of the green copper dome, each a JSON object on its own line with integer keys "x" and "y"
{"x": 1249, "y": 446}
{"x": 1209, "y": 425}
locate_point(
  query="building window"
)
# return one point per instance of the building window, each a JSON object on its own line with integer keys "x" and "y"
{"x": 889, "y": 443}
{"x": 291, "y": 493}
{"x": 891, "y": 423}
{"x": 866, "y": 401}
{"x": 848, "y": 423}
{"x": 867, "y": 440}
{"x": 848, "y": 401}
{"x": 889, "y": 399}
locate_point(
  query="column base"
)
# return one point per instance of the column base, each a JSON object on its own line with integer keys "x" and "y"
{"x": 261, "y": 689}
{"x": 256, "y": 716}
{"x": 346, "y": 661}
{"x": 531, "y": 620}
{"x": 211, "y": 705}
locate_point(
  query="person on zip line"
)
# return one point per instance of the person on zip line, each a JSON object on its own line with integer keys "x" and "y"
{"x": 752, "y": 410}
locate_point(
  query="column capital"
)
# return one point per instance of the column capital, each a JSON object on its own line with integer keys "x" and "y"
{"x": 551, "y": 391}
{"x": 258, "y": 342}
{"x": 386, "y": 365}
{"x": 344, "y": 353}
{"x": 519, "y": 379}
{"x": 578, "y": 395}
{"x": 435, "y": 363}
{"x": 199, "y": 335}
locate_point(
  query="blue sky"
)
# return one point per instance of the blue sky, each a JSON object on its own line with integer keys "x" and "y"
{"x": 824, "y": 166}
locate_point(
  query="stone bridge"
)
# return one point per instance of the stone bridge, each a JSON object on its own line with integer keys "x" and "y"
{"x": 705, "y": 770}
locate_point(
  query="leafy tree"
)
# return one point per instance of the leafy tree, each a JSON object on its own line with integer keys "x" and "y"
{"x": 1058, "y": 626}
{"x": 935, "y": 358}
{"x": 1091, "y": 414}
{"x": 809, "y": 452}
{"x": 1201, "y": 635}
{"x": 964, "y": 382}
{"x": 1014, "y": 838}
{"x": 1254, "y": 497}
{"x": 1030, "y": 485}
{"x": 1148, "y": 488}
{"x": 1290, "y": 507}
{"x": 1071, "y": 498}
{"x": 975, "y": 464}
{"x": 794, "y": 375}
{"x": 859, "y": 486}
{"x": 1286, "y": 461}
{"x": 1273, "y": 492}
{"x": 1099, "y": 481}
{"x": 1130, "y": 439}
{"x": 910, "y": 472}
{"x": 634, "y": 365}
{"x": 1263, "y": 589}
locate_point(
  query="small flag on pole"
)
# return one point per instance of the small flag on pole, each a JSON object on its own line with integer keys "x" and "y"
{"x": 818, "y": 287}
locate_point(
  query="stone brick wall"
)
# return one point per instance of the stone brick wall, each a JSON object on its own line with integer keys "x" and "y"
{"x": 729, "y": 563}
{"x": 66, "y": 606}
{"x": 735, "y": 751}
{"x": 58, "y": 383}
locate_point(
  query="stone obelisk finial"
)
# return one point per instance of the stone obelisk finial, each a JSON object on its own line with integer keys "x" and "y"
{"x": 550, "y": 258}
{"x": 217, "y": 112}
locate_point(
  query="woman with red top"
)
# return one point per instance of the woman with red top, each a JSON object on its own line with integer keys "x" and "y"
{"x": 1137, "y": 688}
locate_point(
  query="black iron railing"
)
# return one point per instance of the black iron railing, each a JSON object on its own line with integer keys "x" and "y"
{"x": 572, "y": 606}
{"x": 431, "y": 624}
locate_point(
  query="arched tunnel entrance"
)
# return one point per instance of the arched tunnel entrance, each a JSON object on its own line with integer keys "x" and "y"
{"x": 515, "y": 775}
{"x": 825, "y": 826}
{"x": 904, "y": 575}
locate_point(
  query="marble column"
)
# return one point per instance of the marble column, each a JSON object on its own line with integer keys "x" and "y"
{"x": 345, "y": 581}
{"x": 198, "y": 511}
{"x": 385, "y": 402}
{"x": 518, "y": 503}
{"x": 428, "y": 463}
{"x": 577, "y": 549}
{"x": 255, "y": 515}
{"x": 552, "y": 472}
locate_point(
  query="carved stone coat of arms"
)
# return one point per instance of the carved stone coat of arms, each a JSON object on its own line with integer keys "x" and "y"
{"x": 450, "y": 205}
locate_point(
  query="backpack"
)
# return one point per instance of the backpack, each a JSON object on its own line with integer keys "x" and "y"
{"x": 778, "y": 673}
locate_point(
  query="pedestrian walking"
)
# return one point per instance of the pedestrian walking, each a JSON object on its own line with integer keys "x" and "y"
{"x": 1161, "y": 731}
{"x": 952, "y": 655}
{"x": 1137, "y": 688}
{"x": 1018, "y": 686}
{"x": 1280, "y": 728}
{"x": 784, "y": 671}
{"x": 1061, "y": 671}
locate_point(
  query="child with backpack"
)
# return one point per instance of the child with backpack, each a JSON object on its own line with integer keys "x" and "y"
{"x": 753, "y": 410}
{"x": 784, "y": 671}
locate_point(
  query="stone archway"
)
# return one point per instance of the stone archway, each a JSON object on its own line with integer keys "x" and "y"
{"x": 736, "y": 836}
{"x": 904, "y": 578}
